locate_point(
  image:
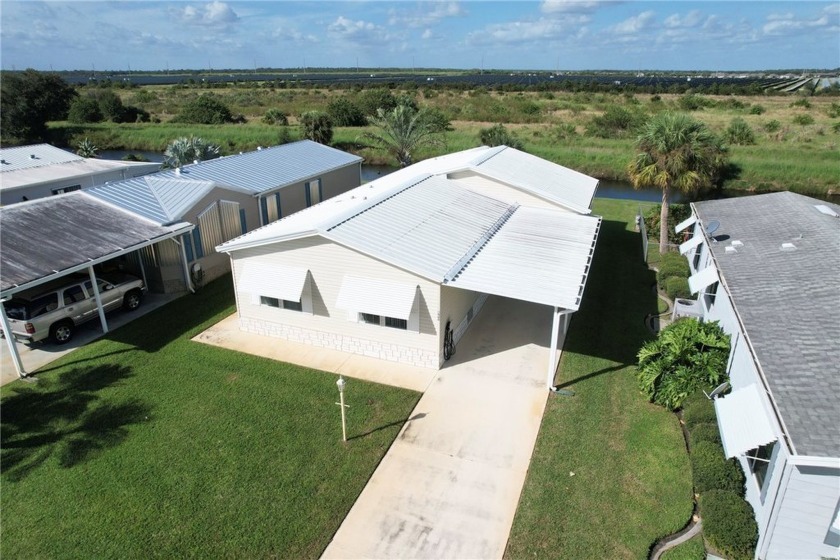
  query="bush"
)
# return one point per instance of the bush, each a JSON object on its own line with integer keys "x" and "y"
{"x": 677, "y": 213}
{"x": 729, "y": 524}
{"x": 344, "y": 112}
{"x": 712, "y": 471}
{"x": 564, "y": 131}
{"x": 616, "y": 122}
{"x": 803, "y": 102}
{"x": 705, "y": 431}
{"x": 205, "y": 109}
{"x": 111, "y": 106}
{"x": 686, "y": 356}
{"x": 275, "y": 116}
{"x": 498, "y": 135}
{"x": 694, "y": 102}
{"x": 672, "y": 264}
{"x": 371, "y": 100}
{"x": 772, "y": 126}
{"x": 833, "y": 110}
{"x": 740, "y": 133}
{"x": 677, "y": 287}
{"x": 803, "y": 120}
{"x": 316, "y": 126}
{"x": 757, "y": 109}
{"x": 84, "y": 109}
{"x": 698, "y": 409}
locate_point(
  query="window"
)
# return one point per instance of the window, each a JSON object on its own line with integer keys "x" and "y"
{"x": 380, "y": 320}
{"x": 369, "y": 318}
{"x": 313, "y": 192}
{"x": 63, "y": 190}
{"x": 269, "y": 301}
{"x": 711, "y": 294}
{"x": 396, "y": 323}
{"x": 292, "y": 305}
{"x": 281, "y": 303}
{"x": 759, "y": 461}
{"x": 73, "y": 294}
{"x": 697, "y": 254}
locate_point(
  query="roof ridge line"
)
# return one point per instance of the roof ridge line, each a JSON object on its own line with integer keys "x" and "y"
{"x": 490, "y": 154}
{"x": 374, "y": 203}
{"x": 476, "y": 248}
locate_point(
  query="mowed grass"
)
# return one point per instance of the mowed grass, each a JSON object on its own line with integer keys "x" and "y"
{"x": 145, "y": 444}
{"x": 610, "y": 473}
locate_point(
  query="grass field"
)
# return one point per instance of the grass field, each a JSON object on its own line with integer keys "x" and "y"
{"x": 610, "y": 473}
{"x": 145, "y": 444}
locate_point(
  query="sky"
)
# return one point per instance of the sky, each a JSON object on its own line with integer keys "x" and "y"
{"x": 555, "y": 35}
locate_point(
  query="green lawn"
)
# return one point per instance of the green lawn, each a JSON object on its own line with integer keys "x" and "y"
{"x": 632, "y": 478}
{"x": 691, "y": 549}
{"x": 146, "y": 444}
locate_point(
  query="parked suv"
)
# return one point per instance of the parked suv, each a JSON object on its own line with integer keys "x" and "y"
{"x": 55, "y": 310}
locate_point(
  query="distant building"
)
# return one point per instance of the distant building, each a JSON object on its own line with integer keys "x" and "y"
{"x": 39, "y": 170}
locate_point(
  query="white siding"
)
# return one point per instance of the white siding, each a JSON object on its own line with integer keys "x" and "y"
{"x": 809, "y": 504}
{"x": 456, "y": 306}
{"x": 500, "y": 191}
{"x": 327, "y": 325}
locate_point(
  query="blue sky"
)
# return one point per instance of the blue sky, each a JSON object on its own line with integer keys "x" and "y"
{"x": 549, "y": 34}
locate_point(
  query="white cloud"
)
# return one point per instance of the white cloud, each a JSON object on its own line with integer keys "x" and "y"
{"x": 211, "y": 14}
{"x": 359, "y": 31}
{"x": 428, "y": 13}
{"x": 566, "y": 6}
{"x": 517, "y": 32}
{"x": 634, "y": 25}
{"x": 789, "y": 24}
{"x": 427, "y": 34}
{"x": 691, "y": 19}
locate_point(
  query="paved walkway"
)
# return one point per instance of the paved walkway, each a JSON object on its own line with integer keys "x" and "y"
{"x": 450, "y": 484}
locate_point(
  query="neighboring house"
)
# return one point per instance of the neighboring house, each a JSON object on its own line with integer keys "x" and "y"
{"x": 30, "y": 172}
{"x": 767, "y": 267}
{"x": 225, "y": 198}
{"x": 387, "y": 269}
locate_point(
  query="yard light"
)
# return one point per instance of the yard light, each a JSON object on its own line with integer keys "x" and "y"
{"x": 341, "y": 383}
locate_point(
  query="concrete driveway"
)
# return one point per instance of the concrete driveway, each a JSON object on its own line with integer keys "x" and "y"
{"x": 450, "y": 484}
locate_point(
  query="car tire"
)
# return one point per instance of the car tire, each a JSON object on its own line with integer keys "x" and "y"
{"x": 131, "y": 300}
{"x": 62, "y": 332}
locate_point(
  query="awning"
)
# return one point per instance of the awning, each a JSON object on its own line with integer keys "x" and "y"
{"x": 743, "y": 422}
{"x": 685, "y": 223}
{"x": 691, "y": 244}
{"x": 377, "y": 297}
{"x": 706, "y": 277}
{"x": 272, "y": 280}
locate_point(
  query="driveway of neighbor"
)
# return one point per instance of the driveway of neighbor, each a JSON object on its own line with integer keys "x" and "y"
{"x": 450, "y": 484}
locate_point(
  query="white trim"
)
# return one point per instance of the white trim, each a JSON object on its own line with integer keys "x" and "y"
{"x": 692, "y": 243}
{"x": 691, "y": 220}
{"x": 810, "y": 461}
{"x": 743, "y": 423}
{"x": 700, "y": 281}
{"x": 273, "y": 280}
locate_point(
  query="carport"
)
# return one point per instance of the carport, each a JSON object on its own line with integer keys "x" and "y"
{"x": 49, "y": 238}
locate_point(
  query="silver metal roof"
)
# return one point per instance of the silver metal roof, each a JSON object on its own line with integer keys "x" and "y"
{"x": 539, "y": 255}
{"x": 160, "y": 199}
{"x": 788, "y": 301}
{"x": 35, "y": 155}
{"x": 268, "y": 169}
{"x": 78, "y": 168}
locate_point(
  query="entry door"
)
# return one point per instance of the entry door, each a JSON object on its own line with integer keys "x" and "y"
{"x": 313, "y": 192}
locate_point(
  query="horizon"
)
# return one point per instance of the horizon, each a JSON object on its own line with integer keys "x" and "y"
{"x": 569, "y": 36}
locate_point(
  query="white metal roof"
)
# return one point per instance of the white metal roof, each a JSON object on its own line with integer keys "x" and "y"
{"x": 376, "y": 296}
{"x": 539, "y": 255}
{"x": 76, "y": 168}
{"x": 268, "y": 169}
{"x": 35, "y": 155}
{"x": 743, "y": 422}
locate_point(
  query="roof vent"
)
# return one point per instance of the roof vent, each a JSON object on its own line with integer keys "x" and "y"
{"x": 177, "y": 171}
{"x": 33, "y": 156}
{"x": 4, "y": 162}
{"x": 259, "y": 148}
{"x": 195, "y": 161}
{"x": 737, "y": 243}
{"x": 826, "y": 210}
{"x": 788, "y": 247}
{"x": 730, "y": 249}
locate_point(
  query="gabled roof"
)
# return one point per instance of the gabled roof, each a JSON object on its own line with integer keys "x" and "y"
{"x": 435, "y": 228}
{"x": 49, "y": 237}
{"x": 161, "y": 199}
{"x": 267, "y": 169}
{"x": 788, "y": 301}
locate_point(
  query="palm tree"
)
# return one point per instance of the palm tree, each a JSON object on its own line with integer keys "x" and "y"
{"x": 403, "y": 130}
{"x": 676, "y": 152}
{"x": 182, "y": 151}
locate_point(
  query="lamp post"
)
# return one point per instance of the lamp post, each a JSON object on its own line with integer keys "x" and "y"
{"x": 341, "y": 383}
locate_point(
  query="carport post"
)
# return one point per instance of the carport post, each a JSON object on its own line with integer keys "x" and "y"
{"x": 10, "y": 340}
{"x": 552, "y": 355}
{"x": 98, "y": 300}
{"x": 142, "y": 268}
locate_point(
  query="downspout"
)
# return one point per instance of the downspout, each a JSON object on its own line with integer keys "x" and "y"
{"x": 186, "y": 265}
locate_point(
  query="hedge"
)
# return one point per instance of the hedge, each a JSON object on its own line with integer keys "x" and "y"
{"x": 712, "y": 471}
{"x": 705, "y": 431}
{"x": 677, "y": 287}
{"x": 672, "y": 264}
{"x": 697, "y": 409}
{"x": 729, "y": 524}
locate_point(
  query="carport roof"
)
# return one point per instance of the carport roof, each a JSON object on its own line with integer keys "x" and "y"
{"x": 50, "y": 237}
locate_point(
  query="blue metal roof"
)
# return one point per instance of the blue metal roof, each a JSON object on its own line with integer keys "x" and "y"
{"x": 268, "y": 169}
{"x": 162, "y": 200}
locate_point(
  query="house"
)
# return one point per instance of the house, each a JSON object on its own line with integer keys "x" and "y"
{"x": 767, "y": 267}
{"x": 36, "y": 171}
{"x": 390, "y": 268}
{"x": 225, "y": 198}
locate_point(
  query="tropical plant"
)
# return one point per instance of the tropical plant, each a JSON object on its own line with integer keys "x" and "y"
{"x": 275, "y": 116}
{"x": 316, "y": 126}
{"x": 686, "y": 356}
{"x": 498, "y": 135}
{"x": 402, "y": 131}
{"x": 675, "y": 151}
{"x": 29, "y": 99}
{"x": 183, "y": 151}
{"x": 803, "y": 119}
{"x": 204, "y": 109}
{"x": 739, "y": 132}
{"x": 86, "y": 149}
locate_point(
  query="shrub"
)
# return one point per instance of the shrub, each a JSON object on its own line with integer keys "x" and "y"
{"x": 712, "y": 471}
{"x": 655, "y": 99}
{"x": 344, "y": 112}
{"x": 686, "y": 356}
{"x": 111, "y": 106}
{"x": 772, "y": 126}
{"x": 729, "y": 524}
{"x": 316, "y": 126}
{"x": 803, "y": 120}
{"x": 757, "y": 109}
{"x": 833, "y": 110}
{"x": 705, "y": 431}
{"x": 564, "y": 131}
{"x": 694, "y": 102}
{"x": 205, "y": 109}
{"x": 275, "y": 116}
{"x": 84, "y": 109}
{"x": 371, "y": 100}
{"x": 436, "y": 119}
{"x": 802, "y": 102}
{"x": 672, "y": 264}
{"x": 739, "y": 132}
{"x": 698, "y": 409}
{"x": 836, "y": 127}
{"x": 677, "y": 287}
{"x": 616, "y": 122}
{"x": 498, "y": 135}
{"x": 677, "y": 213}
